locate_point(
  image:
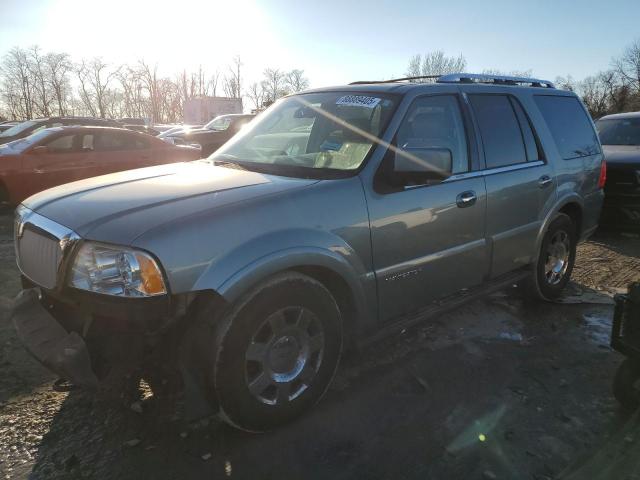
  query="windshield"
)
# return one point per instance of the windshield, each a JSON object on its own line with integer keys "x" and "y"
{"x": 23, "y": 143}
{"x": 19, "y": 128}
{"x": 219, "y": 124}
{"x": 623, "y": 131}
{"x": 330, "y": 131}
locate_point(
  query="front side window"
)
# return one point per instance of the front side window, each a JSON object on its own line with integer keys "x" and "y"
{"x": 500, "y": 130}
{"x": 435, "y": 123}
{"x": 312, "y": 133}
{"x": 619, "y": 131}
{"x": 569, "y": 125}
{"x": 61, "y": 144}
{"x": 219, "y": 124}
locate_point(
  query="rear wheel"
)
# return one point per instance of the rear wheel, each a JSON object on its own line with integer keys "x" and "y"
{"x": 277, "y": 353}
{"x": 556, "y": 259}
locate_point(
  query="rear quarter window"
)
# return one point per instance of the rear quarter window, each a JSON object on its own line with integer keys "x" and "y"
{"x": 570, "y": 126}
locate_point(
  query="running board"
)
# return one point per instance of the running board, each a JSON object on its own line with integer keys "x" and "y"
{"x": 446, "y": 304}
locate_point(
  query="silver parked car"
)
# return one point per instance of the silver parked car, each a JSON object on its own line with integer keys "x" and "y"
{"x": 335, "y": 217}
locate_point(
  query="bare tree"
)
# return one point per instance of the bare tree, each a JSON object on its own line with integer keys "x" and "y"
{"x": 214, "y": 81}
{"x": 273, "y": 84}
{"x": 566, "y": 83}
{"x": 41, "y": 86}
{"x": 435, "y": 63}
{"x": 628, "y": 65}
{"x": 233, "y": 81}
{"x": 58, "y": 66}
{"x": 256, "y": 95}
{"x": 296, "y": 81}
{"x": 18, "y": 90}
{"x": 94, "y": 77}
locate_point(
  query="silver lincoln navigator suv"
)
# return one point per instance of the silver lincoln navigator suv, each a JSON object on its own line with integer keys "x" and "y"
{"x": 335, "y": 217}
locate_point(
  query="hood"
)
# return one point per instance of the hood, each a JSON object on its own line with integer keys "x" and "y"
{"x": 119, "y": 207}
{"x": 627, "y": 154}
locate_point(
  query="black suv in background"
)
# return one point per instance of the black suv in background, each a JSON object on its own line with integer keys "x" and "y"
{"x": 620, "y": 137}
{"x": 213, "y": 135}
{"x": 28, "y": 127}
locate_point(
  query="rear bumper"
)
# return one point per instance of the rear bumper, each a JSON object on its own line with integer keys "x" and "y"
{"x": 621, "y": 211}
{"x": 63, "y": 353}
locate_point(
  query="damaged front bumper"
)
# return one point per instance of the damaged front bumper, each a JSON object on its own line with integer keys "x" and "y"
{"x": 61, "y": 352}
{"x": 68, "y": 336}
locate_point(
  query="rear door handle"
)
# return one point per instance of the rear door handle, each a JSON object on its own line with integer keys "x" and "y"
{"x": 545, "y": 181}
{"x": 466, "y": 199}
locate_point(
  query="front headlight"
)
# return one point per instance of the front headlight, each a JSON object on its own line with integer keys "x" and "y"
{"x": 116, "y": 271}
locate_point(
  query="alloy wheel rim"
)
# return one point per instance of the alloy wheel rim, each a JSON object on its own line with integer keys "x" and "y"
{"x": 284, "y": 355}
{"x": 557, "y": 257}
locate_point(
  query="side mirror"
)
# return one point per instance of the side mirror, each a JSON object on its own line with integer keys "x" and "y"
{"x": 40, "y": 150}
{"x": 416, "y": 166}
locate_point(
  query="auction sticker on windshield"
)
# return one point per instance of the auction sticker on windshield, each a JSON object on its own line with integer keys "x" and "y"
{"x": 358, "y": 101}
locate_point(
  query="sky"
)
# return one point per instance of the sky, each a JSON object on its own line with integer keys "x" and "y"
{"x": 333, "y": 41}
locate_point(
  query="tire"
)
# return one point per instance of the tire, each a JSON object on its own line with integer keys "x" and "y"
{"x": 558, "y": 251}
{"x": 277, "y": 352}
{"x": 624, "y": 384}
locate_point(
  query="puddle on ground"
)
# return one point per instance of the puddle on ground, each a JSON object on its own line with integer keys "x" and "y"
{"x": 598, "y": 326}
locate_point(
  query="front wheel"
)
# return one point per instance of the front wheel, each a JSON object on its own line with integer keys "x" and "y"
{"x": 277, "y": 352}
{"x": 556, "y": 259}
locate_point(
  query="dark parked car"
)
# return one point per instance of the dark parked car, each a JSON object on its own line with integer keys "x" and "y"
{"x": 6, "y": 125}
{"x": 24, "y": 129}
{"x": 340, "y": 215}
{"x": 213, "y": 135}
{"x": 620, "y": 137}
{"x": 143, "y": 129}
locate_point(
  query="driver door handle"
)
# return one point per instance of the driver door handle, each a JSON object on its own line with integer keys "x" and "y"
{"x": 545, "y": 181}
{"x": 466, "y": 199}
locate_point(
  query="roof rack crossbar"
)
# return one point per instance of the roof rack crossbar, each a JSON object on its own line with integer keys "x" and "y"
{"x": 393, "y": 80}
{"x": 468, "y": 78}
{"x": 496, "y": 79}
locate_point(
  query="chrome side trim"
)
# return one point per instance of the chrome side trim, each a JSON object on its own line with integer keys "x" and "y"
{"x": 494, "y": 171}
{"x": 413, "y": 266}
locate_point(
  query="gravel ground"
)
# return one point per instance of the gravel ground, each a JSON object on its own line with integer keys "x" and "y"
{"x": 496, "y": 389}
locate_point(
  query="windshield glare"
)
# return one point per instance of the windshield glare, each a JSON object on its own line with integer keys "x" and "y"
{"x": 330, "y": 130}
{"x": 219, "y": 124}
{"x": 19, "y": 128}
{"x": 623, "y": 131}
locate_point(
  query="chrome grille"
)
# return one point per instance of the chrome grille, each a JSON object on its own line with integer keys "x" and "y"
{"x": 40, "y": 247}
{"x": 39, "y": 257}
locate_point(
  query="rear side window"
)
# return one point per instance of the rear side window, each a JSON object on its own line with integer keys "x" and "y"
{"x": 501, "y": 135}
{"x": 570, "y": 126}
{"x": 113, "y": 141}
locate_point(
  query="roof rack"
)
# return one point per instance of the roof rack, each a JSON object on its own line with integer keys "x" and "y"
{"x": 496, "y": 79}
{"x": 468, "y": 78}
{"x": 393, "y": 80}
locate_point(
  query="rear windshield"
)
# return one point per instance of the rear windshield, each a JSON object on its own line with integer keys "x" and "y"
{"x": 619, "y": 131}
{"x": 570, "y": 126}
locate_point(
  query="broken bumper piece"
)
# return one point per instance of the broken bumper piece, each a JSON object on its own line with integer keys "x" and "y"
{"x": 61, "y": 352}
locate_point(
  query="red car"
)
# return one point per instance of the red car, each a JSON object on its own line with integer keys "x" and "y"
{"x": 60, "y": 155}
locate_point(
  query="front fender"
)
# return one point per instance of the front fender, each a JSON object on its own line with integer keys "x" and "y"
{"x": 252, "y": 262}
